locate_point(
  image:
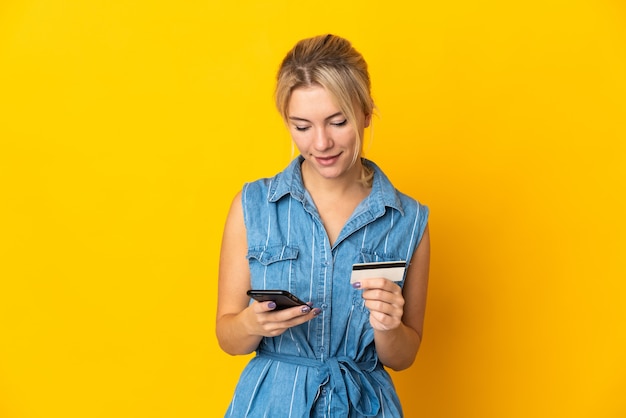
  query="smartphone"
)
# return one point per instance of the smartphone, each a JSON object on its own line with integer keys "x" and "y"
{"x": 282, "y": 298}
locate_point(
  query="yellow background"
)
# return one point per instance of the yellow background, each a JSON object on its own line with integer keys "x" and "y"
{"x": 127, "y": 126}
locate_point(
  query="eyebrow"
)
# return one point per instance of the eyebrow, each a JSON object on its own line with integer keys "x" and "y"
{"x": 296, "y": 118}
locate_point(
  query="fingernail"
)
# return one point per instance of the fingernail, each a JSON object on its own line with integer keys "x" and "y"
{"x": 356, "y": 285}
{"x": 306, "y": 309}
{"x": 271, "y": 305}
{"x": 317, "y": 311}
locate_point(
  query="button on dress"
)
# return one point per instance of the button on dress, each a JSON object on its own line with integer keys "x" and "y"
{"x": 326, "y": 367}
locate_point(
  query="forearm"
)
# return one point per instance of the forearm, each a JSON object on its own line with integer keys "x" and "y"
{"x": 398, "y": 347}
{"x": 233, "y": 336}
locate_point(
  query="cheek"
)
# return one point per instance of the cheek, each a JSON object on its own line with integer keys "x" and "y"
{"x": 350, "y": 140}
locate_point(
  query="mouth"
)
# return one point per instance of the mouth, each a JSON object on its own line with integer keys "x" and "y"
{"x": 327, "y": 161}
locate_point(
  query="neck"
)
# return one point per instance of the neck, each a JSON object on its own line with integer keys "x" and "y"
{"x": 348, "y": 181}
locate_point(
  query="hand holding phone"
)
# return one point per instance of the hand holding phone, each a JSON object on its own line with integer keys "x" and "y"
{"x": 282, "y": 298}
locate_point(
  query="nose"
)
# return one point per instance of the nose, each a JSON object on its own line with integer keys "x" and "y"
{"x": 323, "y": 140}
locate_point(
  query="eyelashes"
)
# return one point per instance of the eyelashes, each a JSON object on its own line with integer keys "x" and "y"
{"x": 342, "y": 123}
{"x": 337, "y": 124}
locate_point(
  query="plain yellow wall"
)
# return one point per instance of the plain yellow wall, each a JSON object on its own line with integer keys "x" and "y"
{"x": 127, "y": 127}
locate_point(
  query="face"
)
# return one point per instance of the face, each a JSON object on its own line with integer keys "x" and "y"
{"x": 323, "y": 134}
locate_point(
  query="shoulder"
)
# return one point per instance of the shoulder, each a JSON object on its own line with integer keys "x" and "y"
{"x": 257, "y": 191}
{"x": 288, "y": 181}
{"x": 235, "y": 218}
{"x": 409, "y": 203}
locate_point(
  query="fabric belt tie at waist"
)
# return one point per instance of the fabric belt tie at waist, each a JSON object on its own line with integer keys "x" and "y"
{"x": 345, "y": 376}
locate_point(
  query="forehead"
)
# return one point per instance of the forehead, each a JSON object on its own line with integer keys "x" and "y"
{"x": 312, "y": 99}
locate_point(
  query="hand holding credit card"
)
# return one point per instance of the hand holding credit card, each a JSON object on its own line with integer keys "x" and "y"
{"x": 392, "y": 270}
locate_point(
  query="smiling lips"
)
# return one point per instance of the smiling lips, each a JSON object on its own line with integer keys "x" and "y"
{"x": 327, "y": 161}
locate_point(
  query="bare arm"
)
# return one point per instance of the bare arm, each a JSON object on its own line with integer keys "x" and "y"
{"x": 240, "y": 326}
{"x": 397, "y": 315}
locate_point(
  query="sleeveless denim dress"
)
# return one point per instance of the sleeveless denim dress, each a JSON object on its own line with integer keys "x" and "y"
{"x": 327, "y": 367}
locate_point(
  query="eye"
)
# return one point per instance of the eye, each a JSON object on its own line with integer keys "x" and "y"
{"x": 302, "y": 128}
{"x": 340, "y": 123}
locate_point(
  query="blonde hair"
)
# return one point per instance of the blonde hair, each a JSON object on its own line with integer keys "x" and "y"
{"x": 332, "y": 63}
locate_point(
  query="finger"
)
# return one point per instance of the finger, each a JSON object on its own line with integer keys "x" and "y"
{"x": 388, "y": 296}
{"x": 279, "y": 322}
{"x": 299, "y": 310}
{"x": 306, "y": 311}
{"x": 288, "y": 315}
{"x": 261, "y": 307}
{"x": 386, "y": 308}
{"x": 376, "y": 283}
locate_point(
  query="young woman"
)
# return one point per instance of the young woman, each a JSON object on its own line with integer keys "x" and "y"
{"x": 302, "y": 231}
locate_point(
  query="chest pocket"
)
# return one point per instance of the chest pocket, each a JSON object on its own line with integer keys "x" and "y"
{"x": 272, "y": 267}
{"x": 372, "y": 256}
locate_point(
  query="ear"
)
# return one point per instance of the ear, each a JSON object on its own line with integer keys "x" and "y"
{"x": 367, "y": 121}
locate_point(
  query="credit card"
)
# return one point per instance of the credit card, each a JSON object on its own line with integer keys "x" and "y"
{"x": 392, "y": 270}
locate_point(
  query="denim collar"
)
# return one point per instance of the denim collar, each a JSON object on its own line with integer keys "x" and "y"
{"x": 289, "y": 181}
